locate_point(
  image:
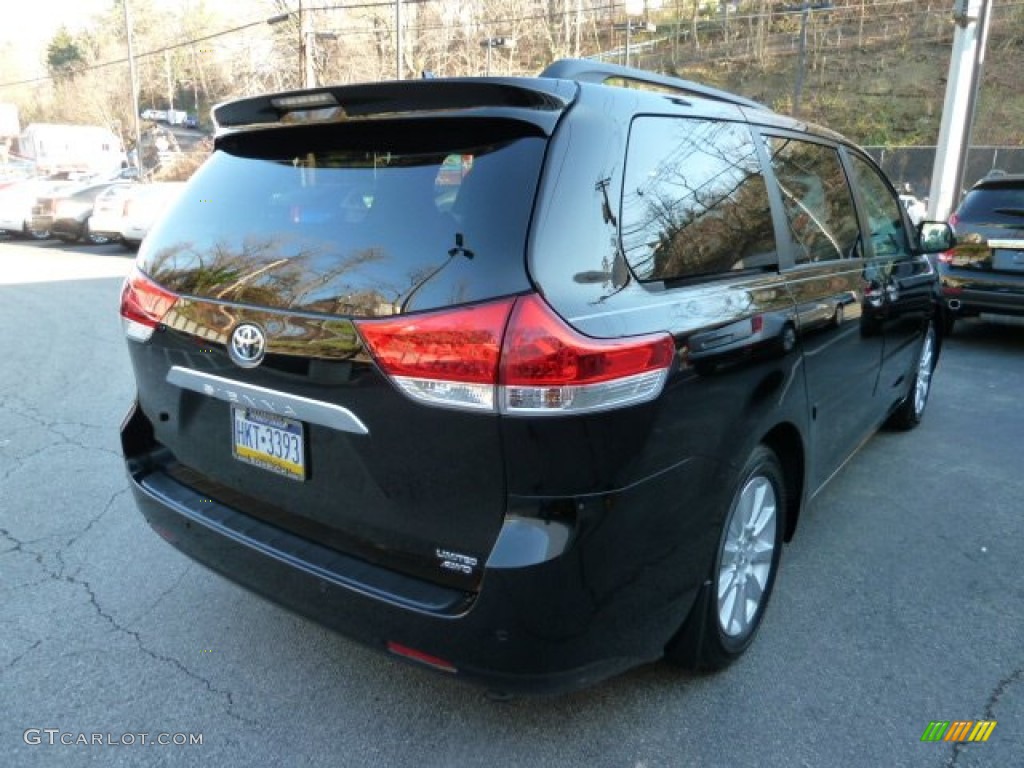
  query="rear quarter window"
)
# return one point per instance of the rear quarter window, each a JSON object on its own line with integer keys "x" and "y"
{"x": 694, "y": 201}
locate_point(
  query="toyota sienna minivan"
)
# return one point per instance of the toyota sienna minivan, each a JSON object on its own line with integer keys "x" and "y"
{"x": 526, "y": 380}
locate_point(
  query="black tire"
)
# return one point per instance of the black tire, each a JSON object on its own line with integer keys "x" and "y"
{"x": 948, "y": 320}
{"x": 910, "y": 412}
{"x": 93, "y": 239}
{"x": 720, "y": 626}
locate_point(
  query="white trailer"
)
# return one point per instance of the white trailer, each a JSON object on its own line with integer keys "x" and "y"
{"x": 87, "y": 148}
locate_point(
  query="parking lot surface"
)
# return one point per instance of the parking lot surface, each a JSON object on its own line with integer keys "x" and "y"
{"x": 900, "y": 602}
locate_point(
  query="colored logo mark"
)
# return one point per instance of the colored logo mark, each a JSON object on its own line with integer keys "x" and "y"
{"x": 958, "y": 730}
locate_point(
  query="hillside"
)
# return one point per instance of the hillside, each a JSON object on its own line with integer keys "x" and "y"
{"x": 880, "y": 84}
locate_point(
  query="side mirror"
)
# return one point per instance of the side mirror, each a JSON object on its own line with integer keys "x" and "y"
{"x": 935, "y": 236}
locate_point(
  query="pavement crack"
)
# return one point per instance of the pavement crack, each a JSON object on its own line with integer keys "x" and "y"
{"x": 88, "y": 526}
{"x": 16, "y": 543}
{"x": 61, "y": 576}
{"x": 22, "y": 655}
{"x": 990, "y": 710}
{"x": 135, "y": 635}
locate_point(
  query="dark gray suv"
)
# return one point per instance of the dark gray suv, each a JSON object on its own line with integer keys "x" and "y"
{"x": 984, "y": 272}
{"x": 523, "y": 379}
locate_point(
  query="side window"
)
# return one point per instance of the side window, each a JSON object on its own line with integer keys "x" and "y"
{"x": 816, "y": 197}
{"x": 884, "y": 213}
{"x": 694, "y": 200}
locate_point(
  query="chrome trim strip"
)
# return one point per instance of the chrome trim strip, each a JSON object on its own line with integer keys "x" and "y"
{"x": 261, "y": 398}
{"x": 1009, "y": 244}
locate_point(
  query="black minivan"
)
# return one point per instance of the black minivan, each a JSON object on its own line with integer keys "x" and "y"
{"x": 523, "y": 379}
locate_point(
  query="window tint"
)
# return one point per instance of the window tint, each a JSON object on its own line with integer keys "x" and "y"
{"x": 817, "y": 201}
{"x": 883, "y": 209}
{"x": 694, "y": 200}
{"x": 994, "y": 205}
{"x": 350, "y": 222}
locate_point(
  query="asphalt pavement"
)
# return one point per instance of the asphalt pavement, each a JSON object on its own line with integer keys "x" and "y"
{"x": 900, "y": 601}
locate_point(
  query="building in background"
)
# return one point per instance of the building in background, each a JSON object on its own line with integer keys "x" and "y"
{"x": 85, "y": 148}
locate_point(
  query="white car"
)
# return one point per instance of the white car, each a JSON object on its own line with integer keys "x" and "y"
{"x": 915, "y": 208}
{"x": 17, "y": 200}
{"x": 108, "y": 212}
{"x": 143, "y": 204}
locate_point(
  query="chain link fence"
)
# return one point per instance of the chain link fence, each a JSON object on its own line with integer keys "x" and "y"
{"x": 913, "y": 165}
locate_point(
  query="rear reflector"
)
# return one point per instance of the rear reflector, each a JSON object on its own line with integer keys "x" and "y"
{"x": 144, "y": 304}
{"x": 421, "y": 657}
{"x": 518, "y": 357}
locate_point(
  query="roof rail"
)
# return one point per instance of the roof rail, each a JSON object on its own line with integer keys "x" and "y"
{"x": 591, "y": 71}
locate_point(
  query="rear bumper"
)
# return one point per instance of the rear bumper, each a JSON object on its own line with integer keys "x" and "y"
{"x": 611, "y": 601}
{"x": 41, "y": 223}
{"x": 971, "y": 294}
{"x": 67, "y": 228}
{"x": 105, "y": 226}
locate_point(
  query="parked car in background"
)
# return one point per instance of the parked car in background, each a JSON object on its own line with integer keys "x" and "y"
{"x": 143, "y": 204}
{"x": 18, "y": 200}
{"x": 984, "y": 272}
{"x": 191, "y": 122}
{"x": 16, "y": 169}
{"x": 916, "y": 208}
{"x": 68, "y": 215}
{"x": 108, "y": 211}
{"x": 526, "y": 380}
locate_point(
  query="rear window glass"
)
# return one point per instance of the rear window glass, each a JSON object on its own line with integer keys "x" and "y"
{"x": 352, "y": 223}
{"x": 994, "y": 205}
{"x": 694, "y": 201}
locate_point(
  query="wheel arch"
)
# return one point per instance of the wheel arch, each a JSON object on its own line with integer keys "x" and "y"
{"x": 787, "y": 444}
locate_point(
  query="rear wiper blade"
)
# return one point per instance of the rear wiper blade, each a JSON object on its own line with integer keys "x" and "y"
{"x": 1009, "y": 211}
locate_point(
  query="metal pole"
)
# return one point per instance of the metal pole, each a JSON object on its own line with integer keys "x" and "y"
{"x": 944, "y": 193}
{"x": 398, "y": 39}
{"x": 135, "y": 89}
{"x": 798, "y": 87}
{"x": 306, "y": 72}
{"x": 579, "y": 20}
{"x": 629, "y": 28}
{"x": 972, "y": 98}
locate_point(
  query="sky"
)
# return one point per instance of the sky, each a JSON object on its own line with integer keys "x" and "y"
{"x": 28, "y": 25}
{"x": 40, "y": 19}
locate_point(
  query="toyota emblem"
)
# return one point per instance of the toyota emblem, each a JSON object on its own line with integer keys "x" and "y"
{"x": 248, "y": 345}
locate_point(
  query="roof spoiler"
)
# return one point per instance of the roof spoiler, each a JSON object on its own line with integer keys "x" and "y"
{"x": 370, "y": 100}
{"x": 591, "y": 71}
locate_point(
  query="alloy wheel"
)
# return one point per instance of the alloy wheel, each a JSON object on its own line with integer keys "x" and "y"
{"x": 747, "y": 557}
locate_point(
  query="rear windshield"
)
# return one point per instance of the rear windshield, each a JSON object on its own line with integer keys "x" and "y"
{"x": 994, "y": 205}
{"x": 349, "y": 221}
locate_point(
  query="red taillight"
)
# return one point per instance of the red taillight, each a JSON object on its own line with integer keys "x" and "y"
{"x": 946, "y": 257}
{"x": 468, "y": 358}
{"x": 144, "y": 304}
{"x": 447, "y": 358}
{"x": 547, "y": 367}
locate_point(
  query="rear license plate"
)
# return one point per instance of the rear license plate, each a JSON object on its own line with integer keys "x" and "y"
{"x": 1007, "y": 260}
{"x": 268, "y": 441}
